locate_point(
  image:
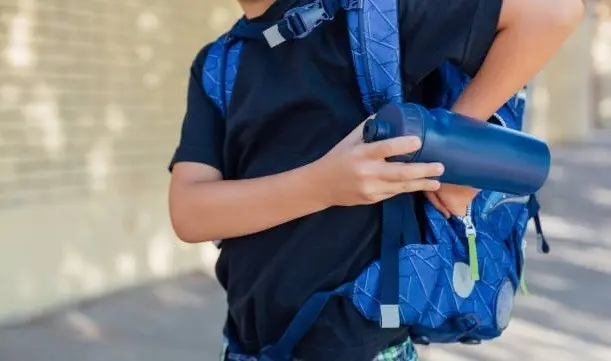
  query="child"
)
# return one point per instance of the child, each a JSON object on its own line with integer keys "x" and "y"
{"x": 285, "y": 180}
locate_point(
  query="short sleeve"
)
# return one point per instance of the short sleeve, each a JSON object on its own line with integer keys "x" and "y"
{"x": 202, "y": 133}
{"x": 434, "y": 31}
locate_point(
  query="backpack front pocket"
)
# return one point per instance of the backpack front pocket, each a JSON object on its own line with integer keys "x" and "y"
{"x": 420, "y": 269}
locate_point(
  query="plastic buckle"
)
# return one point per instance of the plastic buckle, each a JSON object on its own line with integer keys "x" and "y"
{"x": 303, "y": 20}
{"x": 352, "y": 4}
{"x": 300, "y": 21}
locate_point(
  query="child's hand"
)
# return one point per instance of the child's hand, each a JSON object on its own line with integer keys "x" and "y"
{"x": 451, "y": 199}
{"x": 355, "y": 173}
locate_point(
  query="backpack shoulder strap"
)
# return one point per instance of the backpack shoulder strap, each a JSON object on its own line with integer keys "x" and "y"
{"x": 454, "y": 82}
{"x": 374, "y": 39}
{"x": 219, "y": 74}
{"x": 220, "y": 70}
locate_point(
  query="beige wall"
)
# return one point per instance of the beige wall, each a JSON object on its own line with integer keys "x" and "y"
{"x": 92, "y": 93}
{"x": 562, "y": 104}
{"x": 601, "y": 52}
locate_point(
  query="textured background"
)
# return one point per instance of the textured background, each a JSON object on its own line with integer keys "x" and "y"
{"x": 92, "y": 95}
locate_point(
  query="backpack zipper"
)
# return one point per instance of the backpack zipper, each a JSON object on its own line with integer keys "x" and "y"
{"x": 471, "y": 234}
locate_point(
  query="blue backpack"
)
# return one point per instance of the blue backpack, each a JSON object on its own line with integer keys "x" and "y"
{"x": 459, "y": 284}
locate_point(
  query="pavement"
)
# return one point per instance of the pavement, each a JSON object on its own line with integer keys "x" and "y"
{"x": 567, "y": 317}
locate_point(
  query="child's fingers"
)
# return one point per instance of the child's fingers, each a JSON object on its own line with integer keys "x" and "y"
{"x": 416, "y": 185}
{"x": 391, "y": 147}
{"x": 405, "y": 172}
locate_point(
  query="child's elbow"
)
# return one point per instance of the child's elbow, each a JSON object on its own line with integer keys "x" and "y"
{"x": 187, "y": 235}
{"x": 186, "y": 228}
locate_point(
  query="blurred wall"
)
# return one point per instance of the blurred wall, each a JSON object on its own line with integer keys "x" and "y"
{"x": 601, "y": 52}
{"x": 92, "y": 94}
{"x": 563, "y": 102}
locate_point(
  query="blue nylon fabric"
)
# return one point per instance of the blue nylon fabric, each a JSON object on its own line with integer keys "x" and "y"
{"x": 220, "y": 71}
{"x": 374, "y": 38}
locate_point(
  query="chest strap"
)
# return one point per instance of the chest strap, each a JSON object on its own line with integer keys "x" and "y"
{"x": 297, "y": 23}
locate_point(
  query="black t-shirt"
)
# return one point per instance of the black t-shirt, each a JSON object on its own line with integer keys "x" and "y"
{"x": 291, "y": 105}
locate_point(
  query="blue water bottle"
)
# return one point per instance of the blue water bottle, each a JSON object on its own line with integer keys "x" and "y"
{"x": 475, "y": 153}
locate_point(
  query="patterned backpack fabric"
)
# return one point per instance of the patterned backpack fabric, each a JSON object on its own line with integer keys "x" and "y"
{"x": 460, "y": 284}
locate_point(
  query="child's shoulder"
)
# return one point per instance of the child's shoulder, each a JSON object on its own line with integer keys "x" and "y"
{"x": 201, "y": 60}
{"x": 206, "y": 49}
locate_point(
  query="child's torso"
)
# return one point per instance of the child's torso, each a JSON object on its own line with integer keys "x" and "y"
{"x": 291, "y": 105}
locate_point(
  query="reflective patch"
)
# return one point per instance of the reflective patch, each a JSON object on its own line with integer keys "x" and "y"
{"x": 461, "y": 280}
{"x": 504, "y": 305}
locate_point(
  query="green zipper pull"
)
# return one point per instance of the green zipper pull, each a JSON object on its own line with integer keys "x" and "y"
{"x": 523, "y": 286}
{"x": 471, "y": 238}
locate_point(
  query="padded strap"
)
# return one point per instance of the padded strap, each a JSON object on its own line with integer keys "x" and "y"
{"x": 374, "y": 38}
{"x": 220, "y": 70}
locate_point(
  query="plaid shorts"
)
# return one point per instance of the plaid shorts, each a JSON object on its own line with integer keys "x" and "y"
{"x": 403, "y": 352}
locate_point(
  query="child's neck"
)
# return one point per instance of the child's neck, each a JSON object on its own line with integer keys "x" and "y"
{"x": 254, "y": 8}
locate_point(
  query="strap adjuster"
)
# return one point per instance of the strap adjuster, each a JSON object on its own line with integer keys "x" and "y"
{"x": 352, "y": 4}
{"x": 298, "y": 23}
{"x": 390, "y": 317}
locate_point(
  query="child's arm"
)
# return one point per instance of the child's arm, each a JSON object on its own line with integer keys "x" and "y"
{"x": 203, "y": 207}
{"x": 530, "y": 34}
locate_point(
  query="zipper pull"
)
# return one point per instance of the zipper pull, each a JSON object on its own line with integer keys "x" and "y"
{"x": 471, "y": 238}
{"x": 533, "y": 210}
{"x": 542, "y": 245}
{"x": 523, "y": 286}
